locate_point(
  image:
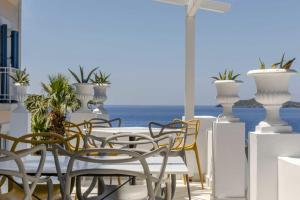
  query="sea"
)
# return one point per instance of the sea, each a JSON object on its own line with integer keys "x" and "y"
{"x": 142, "y": 115}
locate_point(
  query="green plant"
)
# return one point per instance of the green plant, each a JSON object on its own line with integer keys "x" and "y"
{"x": 262, "y": 64}
{"x": 61, "y": 99}
{"x": 281, "y": 64}
{"x": 49, "y": 110}
{"x": 37, "y": 105}
{"x": 21, "y": 77}
{"x": 101, "y": 78}
{"x": 226, "y": 76}
{"x": 81, "y": 77}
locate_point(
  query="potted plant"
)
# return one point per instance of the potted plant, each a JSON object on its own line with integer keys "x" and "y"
{"x": 227, "y": 93}
{"x": 21, "y": 82}
{"x": 272, "y": 92}
{"x": 84, "y": 89}
{"x": 101, "y": 83}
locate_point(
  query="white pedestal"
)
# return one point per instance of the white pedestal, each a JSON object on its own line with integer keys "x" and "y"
{"x": 229, "y": 159}
{"x": 205, "y": 125}
{"x": 288, "y": 178}
{"x": 79, "y": 117}
{"x": 102, "y": 116}
{"x": 209, "y": 164}
{"x": 264, "y": 152}
{"x": 5, "y": 112}
{"x": 20, "y": 124}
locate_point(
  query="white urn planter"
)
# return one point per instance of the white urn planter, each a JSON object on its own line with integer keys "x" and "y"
{"x": 227, "y": 95}
{"x": 20, "y": 95}
{"x": 84, "y": 92}
{"x": 272, "y": 92}
{"x": 100, "y": 97}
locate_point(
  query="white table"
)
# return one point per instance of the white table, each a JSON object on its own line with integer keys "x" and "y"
{"x": 175, "y": 166}
{"x": 116, "y": 130}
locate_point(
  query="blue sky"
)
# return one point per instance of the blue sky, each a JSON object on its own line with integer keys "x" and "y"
{"x": 141, "y": 44}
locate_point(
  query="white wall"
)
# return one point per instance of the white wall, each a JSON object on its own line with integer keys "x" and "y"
{"x": 9, "y": 13}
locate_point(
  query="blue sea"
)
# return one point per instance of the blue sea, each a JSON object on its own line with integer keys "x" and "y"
{"x": 142, "y": 115}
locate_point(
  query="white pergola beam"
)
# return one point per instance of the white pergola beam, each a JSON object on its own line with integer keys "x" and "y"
{"x": 192, "y": 6}
{"x": 214, "y": 6}
{"x": 175, "y": 2}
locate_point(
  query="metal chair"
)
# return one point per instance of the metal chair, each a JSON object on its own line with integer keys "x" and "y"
{"x": 104, "y": 123}
{"x": 81, "y": 129}
{"x": 48, "y": 139}
{"x": 191, "y": 144}
{"x": 28, "y": 182}
{"x": 179, "y": 130}
{"x": 148, "y": 191}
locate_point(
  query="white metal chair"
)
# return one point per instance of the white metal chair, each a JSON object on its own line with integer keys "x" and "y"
{"x": 132, "y": 192}
{"x": 104, "y": 123}
{"x": 29, "y": 182}
{"x": 179, "y": 130}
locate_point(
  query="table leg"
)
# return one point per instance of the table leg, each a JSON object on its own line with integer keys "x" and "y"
{"x": 173, "y": 184}
{"x": 133, "y": 179}
{"x": 168, "y": 189}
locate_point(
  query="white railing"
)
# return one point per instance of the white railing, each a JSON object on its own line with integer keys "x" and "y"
{"x": 7, "y": 98}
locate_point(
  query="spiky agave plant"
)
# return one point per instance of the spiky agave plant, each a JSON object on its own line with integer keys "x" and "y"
{"x": 281, "y": 64}
{"x": 101, "y": 78}
{"x": 284, "y": 65}
{"x": 81, "y": 78}
{"x": 20, "y": 77}
{"x": 230, "y": 75}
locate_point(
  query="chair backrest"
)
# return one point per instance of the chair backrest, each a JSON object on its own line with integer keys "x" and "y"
{"x": 142, "y": 143}
{"x": 95, "y": 165}
{"x": 104, "y": 123}
{"x": 15, "y": 167}
{"x": 48, "y": 139}
{"x": 177, "y": 129}
{"x": 82, "y": 129}
{"x": 193, "y": 128}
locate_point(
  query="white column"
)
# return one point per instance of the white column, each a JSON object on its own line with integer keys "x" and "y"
{"x": 189, "y": 68}
{"x": 229, "y": 160}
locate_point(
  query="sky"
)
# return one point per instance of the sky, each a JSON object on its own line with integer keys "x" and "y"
{"x": 141, "y": 43}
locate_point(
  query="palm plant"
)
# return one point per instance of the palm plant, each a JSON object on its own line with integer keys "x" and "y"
{"x": 81, "y": 77}
{"x": 101, "y": 78}
{"x": 21, "y": 77}
{"x": 226, "y": 76}
{"x": 37, "y": 105}
{"x": 61, "y": 99}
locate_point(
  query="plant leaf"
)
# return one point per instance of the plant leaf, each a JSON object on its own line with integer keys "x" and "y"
{"x": 75, "y": 76}
{"x": 90, "y": 74}
{"x": 282, "y": 60}
{"x": 262, "y": 64}
{"x": 288, "y": 64}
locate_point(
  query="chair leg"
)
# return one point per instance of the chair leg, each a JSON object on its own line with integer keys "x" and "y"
{"x": 119, "y": 180}
{"x": 199, "y": 165}
{"x": 188, "y": 185}
{"x": 184, "y": 181}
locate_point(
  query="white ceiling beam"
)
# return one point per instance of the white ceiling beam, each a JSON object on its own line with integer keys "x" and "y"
{"x": 174, "y": 2}
{"x": 209, "y": 5}
{"x": 215, "y": 6}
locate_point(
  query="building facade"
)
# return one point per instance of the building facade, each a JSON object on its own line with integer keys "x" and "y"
{"x": 10, "y": 52}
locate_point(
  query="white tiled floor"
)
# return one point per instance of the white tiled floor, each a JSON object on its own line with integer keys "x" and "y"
{"x": 196, "y": 192}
